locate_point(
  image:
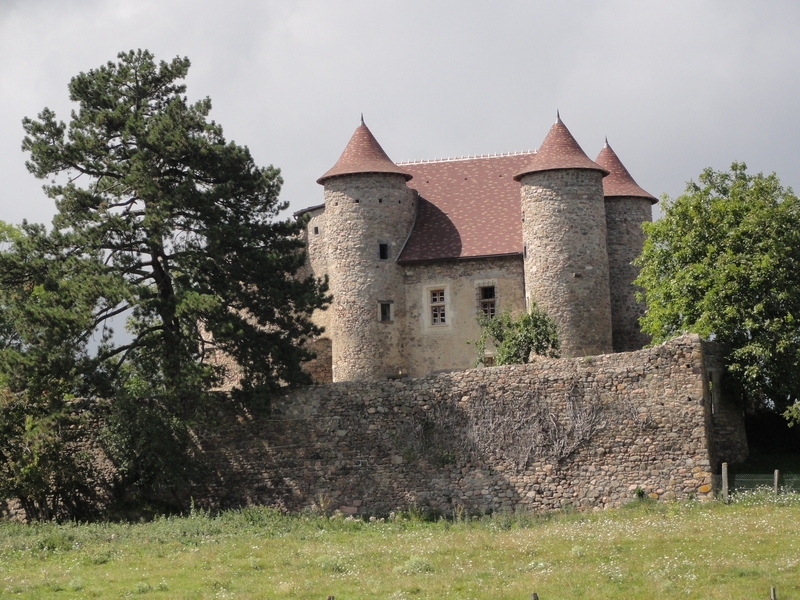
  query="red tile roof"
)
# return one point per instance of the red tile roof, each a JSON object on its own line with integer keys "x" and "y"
{"x": 619, "y": 182}
{"x": 468, "y": 208}
{"x": 559, "y": 150}
{"x": 363, "y": 154}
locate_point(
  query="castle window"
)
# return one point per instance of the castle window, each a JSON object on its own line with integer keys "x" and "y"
{"x": 488, "y": 300}
{"x": 383, "y": 251}
{"x": 316, "y": 230}
{"x": 385, "y": 313}
{"x": 438, "y": 316}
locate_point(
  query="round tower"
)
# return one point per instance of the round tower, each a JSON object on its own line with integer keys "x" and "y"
{"x": 627, "y": 207}
{"x": 564, "y": 237}
{"x": 369, "y": 212}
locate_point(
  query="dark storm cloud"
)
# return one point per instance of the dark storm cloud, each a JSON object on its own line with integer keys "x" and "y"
{"x": 675, "y": 86}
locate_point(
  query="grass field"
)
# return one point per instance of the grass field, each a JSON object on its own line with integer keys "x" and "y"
{"x": 646, "y": 550}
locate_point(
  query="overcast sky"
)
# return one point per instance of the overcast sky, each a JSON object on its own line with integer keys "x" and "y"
{"x": 676, "y": 86}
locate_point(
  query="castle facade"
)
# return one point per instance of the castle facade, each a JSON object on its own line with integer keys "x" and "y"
{"x": 415, "y": 251}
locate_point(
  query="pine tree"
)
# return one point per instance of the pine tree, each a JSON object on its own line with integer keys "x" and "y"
{"x": 169, "y": 225}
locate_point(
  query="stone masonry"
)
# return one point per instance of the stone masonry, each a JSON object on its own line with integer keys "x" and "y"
{"x": 566, "y": 263}
{"x": 624, "y": 218}
{"x": 411, "y": 252}
{"x": 582, "y": 432}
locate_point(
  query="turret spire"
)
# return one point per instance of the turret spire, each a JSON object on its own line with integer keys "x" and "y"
{"x": 363, "y": 154}
{"x": 619, "y": 181}
{"x": 559, "y": 150}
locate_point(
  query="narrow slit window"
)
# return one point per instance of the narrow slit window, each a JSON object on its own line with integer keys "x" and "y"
{"x": 383, "y": 251}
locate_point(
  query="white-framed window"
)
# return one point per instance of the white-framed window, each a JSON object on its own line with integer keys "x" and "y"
{"x": 386, "y": 311}
{"x": 438, "y": 306}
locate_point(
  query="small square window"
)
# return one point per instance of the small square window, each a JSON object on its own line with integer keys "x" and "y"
{"x": 383, "y": 251}
{"x": 386, "y": 312}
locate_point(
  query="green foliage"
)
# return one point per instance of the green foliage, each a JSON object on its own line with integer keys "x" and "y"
{"x": 161, "y": 224}
{"x": 516, "y": 339}
{"x": 149, "y": 446}
{"x": 175, "y": 228}
{"x": 648, "y": 551}
{"x": 42, "y": 464}
{"x": 724, "y": 262}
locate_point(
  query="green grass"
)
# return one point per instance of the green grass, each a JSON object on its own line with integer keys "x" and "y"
{"x": 646, "y": 550}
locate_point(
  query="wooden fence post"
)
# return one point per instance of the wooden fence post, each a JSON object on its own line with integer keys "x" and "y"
{"x": 330, "y": 598}
{"x": 725, "y": 482}
{"x": 534, "y": 596}
{"x": 776, "y": 480}
{"x": 772, "y": 594}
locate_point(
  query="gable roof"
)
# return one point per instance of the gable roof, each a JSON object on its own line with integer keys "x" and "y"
{"x": 468, "y": 208}
{"x": 619, "y": 182}
{"x": 363, "y": 154}
{"x": 559, "y": 150}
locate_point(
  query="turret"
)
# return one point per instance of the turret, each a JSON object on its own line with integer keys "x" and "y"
{"x": 369, "y": 212}
{"x": 564, "y": 242}
{"x": 627, "y": 207}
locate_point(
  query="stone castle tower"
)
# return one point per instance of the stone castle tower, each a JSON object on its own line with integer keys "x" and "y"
{"x": 627, "y": 207}
{"x": 409, "y": 268}
{"x": 369, "y": 212}
{"x": 564, "y": 236}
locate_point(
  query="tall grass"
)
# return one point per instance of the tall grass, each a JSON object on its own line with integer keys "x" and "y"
{"x": 685, "y": 550}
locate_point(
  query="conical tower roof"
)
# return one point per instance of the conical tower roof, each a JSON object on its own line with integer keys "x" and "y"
{"x": 363, "y": 154}
{"x": 619, "y": 182}
{"x": 559, "y": 150}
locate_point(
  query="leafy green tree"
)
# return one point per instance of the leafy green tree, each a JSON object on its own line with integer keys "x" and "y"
{"x": 42, "y": 463}
{"x": 517, "y": 339}
{"x": 724, "y": 262}
{"x": 165, "y": 223}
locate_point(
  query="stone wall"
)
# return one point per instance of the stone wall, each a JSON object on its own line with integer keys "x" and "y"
{"x": 436, "y": 348}
{"x": 320, "y": 368}
{"x": 584, "y": 432}
{"x": 728, "y": 439}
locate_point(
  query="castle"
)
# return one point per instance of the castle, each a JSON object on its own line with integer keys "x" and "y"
{"x": 413, "y": 251}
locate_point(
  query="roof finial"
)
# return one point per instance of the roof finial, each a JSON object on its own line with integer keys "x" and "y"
{"x": 558, "y": 116}
{"x": 362, "y": 118}
{"x": 606, "y": 143}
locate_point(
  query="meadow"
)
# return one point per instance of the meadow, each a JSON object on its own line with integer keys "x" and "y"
{"x": 644, "y": 550}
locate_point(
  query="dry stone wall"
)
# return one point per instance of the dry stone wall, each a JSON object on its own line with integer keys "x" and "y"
{"x": 582, "y": 432}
